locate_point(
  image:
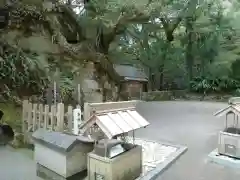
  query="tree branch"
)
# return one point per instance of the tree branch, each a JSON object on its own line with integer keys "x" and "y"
{"x": 120, "y": 27}
{"x": 170, "y": 28}
{"x": 124, "y": 20}
{"x": 72, "y": 17}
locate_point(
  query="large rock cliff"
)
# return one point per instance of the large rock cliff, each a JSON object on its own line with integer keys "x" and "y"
{"x": 51, "y": 32}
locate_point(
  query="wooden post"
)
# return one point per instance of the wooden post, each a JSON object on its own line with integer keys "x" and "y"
{"x": 29, "y": 121}
{"x": 52, "y": 115}
{"x": 46, "y": 117}
{"x": 40, "y": 115}
{"x": 86, "y": 112}
{"x": 24, "y": 119}
{"x": 70, "y": 118}
{"x": 60, "y": 117}
{"x": 34, "y": 116}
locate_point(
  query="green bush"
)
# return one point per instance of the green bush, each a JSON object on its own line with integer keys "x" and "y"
{"x": 214, "y": 84}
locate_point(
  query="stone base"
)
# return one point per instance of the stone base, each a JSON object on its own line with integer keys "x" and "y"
{"x": 215, "y": 157}
{"x": 48, "y": 174}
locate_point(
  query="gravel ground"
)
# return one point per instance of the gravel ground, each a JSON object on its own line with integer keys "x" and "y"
{"x": 153, "y": 153}
{"x": 16, "y": 165}
{"x": 191, "y": 124}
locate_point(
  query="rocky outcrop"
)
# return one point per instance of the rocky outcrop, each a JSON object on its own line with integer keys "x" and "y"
{"x": 50, "y": 31}
{"x": 6, "y": 134}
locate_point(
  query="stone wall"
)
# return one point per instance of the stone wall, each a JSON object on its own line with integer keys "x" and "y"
{"x": 163, "y": 95}
{"x": 183, "y": 95}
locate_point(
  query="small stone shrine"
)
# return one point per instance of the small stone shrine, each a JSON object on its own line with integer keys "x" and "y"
{"x": 61, "y": 156}
{"x": 110, "y": 155}
{"x": 113, "y": 123}
{"x": 229, "y": 137}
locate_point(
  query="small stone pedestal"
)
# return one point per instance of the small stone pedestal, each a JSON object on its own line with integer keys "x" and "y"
{"x": 126, "y": 164}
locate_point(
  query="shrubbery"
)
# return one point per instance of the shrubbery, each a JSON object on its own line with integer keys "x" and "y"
{"x": 214, "y": 85}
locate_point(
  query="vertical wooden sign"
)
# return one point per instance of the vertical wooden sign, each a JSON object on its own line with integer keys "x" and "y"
{"x": 53, "y": 93}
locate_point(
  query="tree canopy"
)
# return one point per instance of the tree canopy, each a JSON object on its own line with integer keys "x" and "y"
{"x": 180, "y": 44}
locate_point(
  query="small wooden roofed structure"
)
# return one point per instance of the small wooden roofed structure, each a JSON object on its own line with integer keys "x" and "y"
{"x": 115, "y": 122}
{"x": 233, "y": 108}
{"x": 130, "y": 73}
{"x": 92, "y": 108}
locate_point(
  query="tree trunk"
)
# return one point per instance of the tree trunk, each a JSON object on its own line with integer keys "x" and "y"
{"x": 161, "y": 78}
{"x": 189, "y": 48}
{"x": 162, "y": 65}
{"x": 150, "y": 79}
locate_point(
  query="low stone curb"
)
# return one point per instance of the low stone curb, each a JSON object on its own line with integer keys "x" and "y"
{"x": 214, "y": 157}
{"x": 153, "y": 174}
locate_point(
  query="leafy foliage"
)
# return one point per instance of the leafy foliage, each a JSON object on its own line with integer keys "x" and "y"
{"x": 20, "y": 71}
{"x": 213, "y": 47}
{"x": 171, "y": 39}
{"x": 209, "y": 85}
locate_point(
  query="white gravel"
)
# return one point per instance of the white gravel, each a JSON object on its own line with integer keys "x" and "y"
{"x": 154, "y": 153}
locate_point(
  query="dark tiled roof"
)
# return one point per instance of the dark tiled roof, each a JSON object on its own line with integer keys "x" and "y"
{"x": 129, "y": 72}
{"x": 61, "y": 141}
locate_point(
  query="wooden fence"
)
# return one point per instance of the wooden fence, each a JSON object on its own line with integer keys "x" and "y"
{"x": 52, "y": 117}
{"x": 55, "y": 118}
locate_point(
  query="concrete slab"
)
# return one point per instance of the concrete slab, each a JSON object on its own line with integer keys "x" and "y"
{"x": 223, "y": 160}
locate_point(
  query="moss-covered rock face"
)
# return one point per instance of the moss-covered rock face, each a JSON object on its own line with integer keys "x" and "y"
{"x": 45, "y": 35}
{"x": 32, "y": 30}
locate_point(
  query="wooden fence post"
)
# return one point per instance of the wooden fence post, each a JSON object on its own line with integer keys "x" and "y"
{"x": 24, "y": 119}
{"x": 70, "y": 118}
{"x": 52, "y": 116}
{"x": 34, "y": 117}
{"x": 60, "y": 117}
{"x": 46, "y": 117}
{"x": 40, "y": 115}
{"x": 29, "y": 121}
{"x": 86, "y": 112}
